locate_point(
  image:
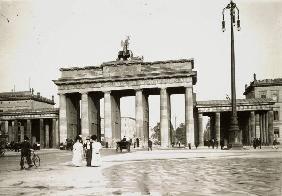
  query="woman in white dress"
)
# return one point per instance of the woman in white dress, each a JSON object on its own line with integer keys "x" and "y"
{"x": 77, "y": 152}
{"x": 96, "y": 157}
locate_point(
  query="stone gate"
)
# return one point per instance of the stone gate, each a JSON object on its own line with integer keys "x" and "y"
{"x": 81, "y": 88}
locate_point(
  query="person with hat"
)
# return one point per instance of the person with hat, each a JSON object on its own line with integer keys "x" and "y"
{"x": 96, "y": 147}
{"x": 25, "y": 152}
{"x": 77, "y": 152}
{"x": 88, "y": 151}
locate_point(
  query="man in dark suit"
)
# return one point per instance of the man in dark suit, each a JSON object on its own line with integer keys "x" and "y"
{"x": 25, "y": 152}
{"x": 88, "y": 151}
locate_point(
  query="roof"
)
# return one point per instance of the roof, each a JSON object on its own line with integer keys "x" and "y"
{"x": 264, "y": 82}
{"x": 254, "y": 101}
{"x": 24, "y": 95}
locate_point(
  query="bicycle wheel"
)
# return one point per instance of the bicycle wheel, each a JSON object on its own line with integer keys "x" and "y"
{"x": 36, "y": 160}
{"x": 2, "y": 152}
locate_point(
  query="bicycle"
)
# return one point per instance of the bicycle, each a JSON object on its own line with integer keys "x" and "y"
{"x": 35, "y": 159}
{"x": 2, "y": 152}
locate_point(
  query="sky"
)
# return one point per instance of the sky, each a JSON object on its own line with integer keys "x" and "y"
{"x": 39, "y": 37}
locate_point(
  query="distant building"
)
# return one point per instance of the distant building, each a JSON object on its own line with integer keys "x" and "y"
{"x": 272, "y": 89}
{"x": 23, "y": 113}
{"x": 128, "y": 128}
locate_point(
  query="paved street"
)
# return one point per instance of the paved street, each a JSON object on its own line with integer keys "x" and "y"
{"x": 158, "y": 172}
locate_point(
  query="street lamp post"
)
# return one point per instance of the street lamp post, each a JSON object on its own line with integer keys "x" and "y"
{"x": 234, "y": 131}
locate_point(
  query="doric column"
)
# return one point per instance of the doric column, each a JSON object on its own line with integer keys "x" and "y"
{"x": 139, "y": 113}
{"x": 262, "y": 129}
{"x": 164, "y": 119}
{"x": 257, "y": 135}
{"x": 47, "y": 134}
{"x": 16, "y": 131}
{"x": 63, "y": 118}
{"x": 266, "y": 129}
{"x": 42, "y": 135}
{"x": 201, "y": 131}
{"x": 217, "y": 126}
{"x": 94, "y": 115}
{"x": 55, "y": 133}
{"x": 28, "y": 129}
{"x": 85, "y": 115}
{"x": 108, "y": 118}
{"x": 6, "y": 127}
{"x": 189, "y": 121}
{"x": 22, "y": 133}
{"x": 270, "y": 127}
{"x": 10, "y": 132}
{"x": 116, "y": 120}
{"x": 253, "y": 125}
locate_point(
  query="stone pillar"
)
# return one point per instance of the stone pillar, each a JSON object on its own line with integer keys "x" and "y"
{"x": 55, "y": 133}
{"x": 139, "y": 113}
{"x": 42, "y": 135}
{"x": 63, "y": 118}
{"x": 16, "y": 131}
{"x": 116, "y": 120}
{"x": 84, "y": 115}
{"x": 6, "y": 126}
{"x": 164, "y": 119}
{"x": 262, "y": 129}
{"x": 146, "y": 121}
{"x": 253, "y": 125}
{"x": 108, "y": 118}
{"x": 201, "y": 131}
{"x": 270, "y": 127}
{"x": 217, "y": 126}
{"x": 142, "y": 117}
{"x": 94, "y": 116}
{"x": 47, "y": 134}
{"x": 10, "y": 132}
{"x": 189, "y": 121}
{"x": 22, "y": 133}
{"x": 257, "y": 134}
{"x": 266, "y": 129}
{"x": 28, "y": 129}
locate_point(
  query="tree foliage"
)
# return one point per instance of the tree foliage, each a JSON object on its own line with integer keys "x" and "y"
{"x": 180, "y": 133}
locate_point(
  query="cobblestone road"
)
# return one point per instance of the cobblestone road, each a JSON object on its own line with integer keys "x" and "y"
{"x": 162, "y": 172}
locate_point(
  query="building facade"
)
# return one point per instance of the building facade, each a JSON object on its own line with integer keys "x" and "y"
{"x": 271, "y": 89}
{"x": 23, "y": 113}
{"x": 255, "y": 119}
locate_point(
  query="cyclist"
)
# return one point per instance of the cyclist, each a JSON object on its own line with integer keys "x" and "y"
{"x": 25, "y": 152}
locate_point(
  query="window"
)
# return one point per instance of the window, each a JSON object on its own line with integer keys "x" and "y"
{"x": 262, "y": 94}
{"x": 274, "y": 95}
{"x": 276, "y": 115}
{"x": 276, "y": 132}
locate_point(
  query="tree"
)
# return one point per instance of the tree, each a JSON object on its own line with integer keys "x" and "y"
{"x": 156, "y": 134}
{"x": 181, "y": 134}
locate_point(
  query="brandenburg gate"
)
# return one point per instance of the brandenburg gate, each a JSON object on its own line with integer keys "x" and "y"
{"x": 81, "y": 88}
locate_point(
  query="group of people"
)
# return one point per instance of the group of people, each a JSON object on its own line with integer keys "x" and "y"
{"x": 90, "y": 149}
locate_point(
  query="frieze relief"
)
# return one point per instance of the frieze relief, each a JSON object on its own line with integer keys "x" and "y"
{"x": 127, "y": 84}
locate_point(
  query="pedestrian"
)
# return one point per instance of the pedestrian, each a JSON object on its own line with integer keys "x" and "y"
{"x": 221, "y": 144}
{"x": 88, "y": 151}
{"x": 216, "y": 143}
{"x": 96, "y": 147}
{"x": 137, "y": 142}
{"x": 254, "y": 143}
{"x": 212, "y": 143}
{"x": 25, "y": 152}
{"x": 77, "y": 154}
{"x": 274, "y": 144}
{"x": 150, "y": 143}
{"x": 179, "y": 144}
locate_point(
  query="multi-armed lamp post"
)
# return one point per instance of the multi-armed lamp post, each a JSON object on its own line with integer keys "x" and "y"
{"x": 234, "y": 131}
